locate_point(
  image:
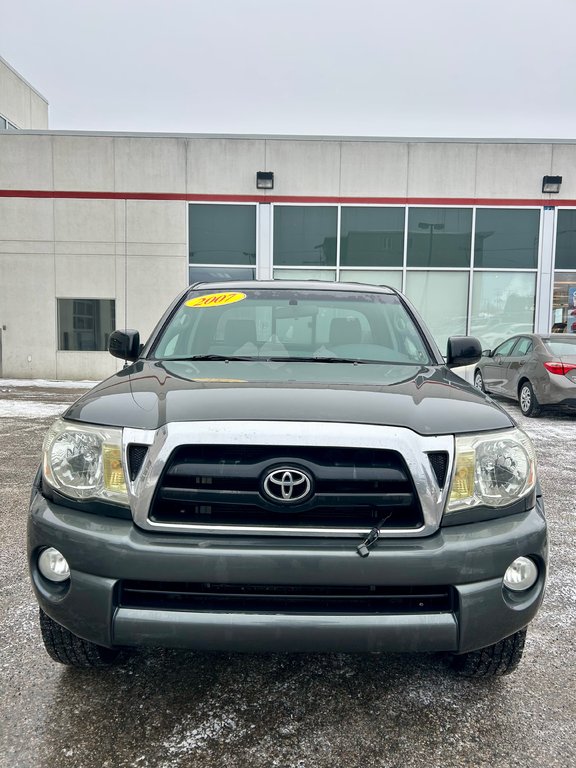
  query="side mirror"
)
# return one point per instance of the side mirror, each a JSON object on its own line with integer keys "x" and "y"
{"x": 125, "y": 344}
{"x": 486, "y": 353}
{"x": 463, "y": 350}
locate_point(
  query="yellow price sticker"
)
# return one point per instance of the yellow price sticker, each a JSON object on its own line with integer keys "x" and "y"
{"x": 216, "y": 299}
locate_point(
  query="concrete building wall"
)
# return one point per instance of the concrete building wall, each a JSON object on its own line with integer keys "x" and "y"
{"x": 20, "y": 103}
{"x": 105, "y": 216}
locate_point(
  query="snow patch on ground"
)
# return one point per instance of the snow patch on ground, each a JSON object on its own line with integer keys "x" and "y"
{"x": 187, "y": 738}
{"x": 46, "y": 384}
{"x": 30, "y": 409}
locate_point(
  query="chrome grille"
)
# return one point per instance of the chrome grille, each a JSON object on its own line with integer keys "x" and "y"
{"x": 223, "y": 485}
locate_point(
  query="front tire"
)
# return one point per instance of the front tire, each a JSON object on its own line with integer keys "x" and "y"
{"x": 66, "y": 648}
{"x": 527, "y": 399}
{"x": 496, "y": 660}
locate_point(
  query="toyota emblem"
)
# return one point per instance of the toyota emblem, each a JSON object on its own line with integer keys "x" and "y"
{"x": 287, "y": 485}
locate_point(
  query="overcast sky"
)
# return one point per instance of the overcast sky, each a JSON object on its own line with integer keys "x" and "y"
{"x": 452, "y": 68}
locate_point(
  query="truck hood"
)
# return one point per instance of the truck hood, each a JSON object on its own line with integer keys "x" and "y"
{"x": 430, "y": 400}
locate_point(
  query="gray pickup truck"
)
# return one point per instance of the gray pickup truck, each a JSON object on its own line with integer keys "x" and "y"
{"x": 288, "y": 467}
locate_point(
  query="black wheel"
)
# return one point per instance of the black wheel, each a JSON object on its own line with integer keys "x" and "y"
{"x": 66, "y": 648}
{"x": 493, "y": 661}
{"x": 528, "y": 403}
{"x": 479, "y": 381}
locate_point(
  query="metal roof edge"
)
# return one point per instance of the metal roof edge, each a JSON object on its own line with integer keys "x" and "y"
{"x": 293, "y": 137}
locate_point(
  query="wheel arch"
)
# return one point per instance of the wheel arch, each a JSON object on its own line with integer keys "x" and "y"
{"x": 523, "y": 379}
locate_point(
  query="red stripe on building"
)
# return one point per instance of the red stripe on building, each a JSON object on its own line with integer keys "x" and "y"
{"x": 437, "y": 201}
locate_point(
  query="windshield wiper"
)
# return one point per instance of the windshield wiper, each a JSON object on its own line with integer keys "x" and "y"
{"x": 268, "y": 359}
{"x": 217, "y": 358}
{"x": 318, "y": 360}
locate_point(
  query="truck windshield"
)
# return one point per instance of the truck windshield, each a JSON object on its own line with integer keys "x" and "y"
{"x": 308, "y": 325}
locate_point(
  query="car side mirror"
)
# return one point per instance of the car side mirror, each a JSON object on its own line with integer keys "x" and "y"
{"x": 486, "y": 353}
{"x": 125, "y": 344}
{"x": 463, "y": 350}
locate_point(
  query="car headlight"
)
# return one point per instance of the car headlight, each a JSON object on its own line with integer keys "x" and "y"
{"x": 85, "y": 462}
{"x": 493, "y": 470}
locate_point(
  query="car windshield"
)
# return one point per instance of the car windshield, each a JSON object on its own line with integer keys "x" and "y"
{"x": 288, "y": 324}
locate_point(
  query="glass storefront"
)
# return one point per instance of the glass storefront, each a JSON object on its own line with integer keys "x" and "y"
{"x": 428, "y": 290}
{"x": 466, "y": 269}
{"x": 564, "y": 292}
{"x": 503, "y": 304}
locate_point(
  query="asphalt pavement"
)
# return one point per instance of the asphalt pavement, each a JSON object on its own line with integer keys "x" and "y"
{"x": 168, "y": 709}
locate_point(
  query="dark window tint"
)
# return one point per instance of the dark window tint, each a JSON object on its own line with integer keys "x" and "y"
{"x": 85, "y": 324}
{"x": 305, "y": 235}
{"x": 505, "y": 348}
{"x": 566, "y": 240}
{"x": 439, "y": 237}
{"x": 523, "y": 347}
{"x": 372, "y": 237}
{"x": 222, "y": 234}
{"x": 506, "y": 239}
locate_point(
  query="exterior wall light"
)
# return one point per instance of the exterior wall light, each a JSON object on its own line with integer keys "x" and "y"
{"x": 264, "y": 180}
{"x": 551, "y": 184}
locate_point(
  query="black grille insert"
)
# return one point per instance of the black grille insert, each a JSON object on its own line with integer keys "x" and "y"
{"x": 439, "y": 463}
{"x": 281, "y": 598}
{"x": 223, "y": 485}
{"x": 136, "y": 455}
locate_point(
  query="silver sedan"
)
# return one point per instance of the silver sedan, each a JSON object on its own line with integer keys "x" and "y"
{"x": 534, "y": 369}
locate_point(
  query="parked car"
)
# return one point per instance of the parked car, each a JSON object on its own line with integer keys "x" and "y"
{"x": 288, "y": 466}
{"x": 534, "y": 369}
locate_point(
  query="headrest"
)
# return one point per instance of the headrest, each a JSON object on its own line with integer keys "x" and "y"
{"x": 345, "y": 330}
{"x": 238, "y": 332}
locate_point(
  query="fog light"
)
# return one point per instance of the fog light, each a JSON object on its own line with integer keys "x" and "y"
{"x": 53, "y": 565}
{"x": 521, "y": 574}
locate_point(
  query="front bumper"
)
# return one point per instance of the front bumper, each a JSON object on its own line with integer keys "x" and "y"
{"x": 104, "y": 552}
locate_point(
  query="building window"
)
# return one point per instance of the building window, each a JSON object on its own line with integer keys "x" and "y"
{"x": 564, "y": 292}
{"x": 564, "y": 303}
{"x": 428, "y": 290}
{"x": 506, "y": 238}
{"x": 5, "y": 124}
{"x": 222, "y": 234}
{"x": 439, "y": 237}
{"x": 502, "y": 305}
{"x": 305, "y": 274}
{"x": 218, "y": 274}
{"x": 373, "y": 277}
{"x": 566, "y": 240}
{"x": 372, "y": 237}
{"x": 85, "y": 324}
{"x": 305, "y": 236}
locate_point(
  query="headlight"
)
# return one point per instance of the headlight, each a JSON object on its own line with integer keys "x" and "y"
{"x": 85, "y": 462}
{"x": 492, "y": 470}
